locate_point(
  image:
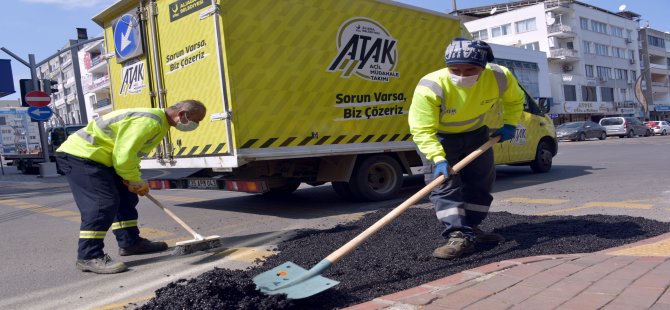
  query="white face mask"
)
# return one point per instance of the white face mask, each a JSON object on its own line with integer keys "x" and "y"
{"x": 189, "y": 126}
{"x": 464, "y": 81}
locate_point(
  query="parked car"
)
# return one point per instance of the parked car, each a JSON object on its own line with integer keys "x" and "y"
{"x": 659, "y": 127}
{"x": 625, "y": 127}
{"x": 580, "y": 131}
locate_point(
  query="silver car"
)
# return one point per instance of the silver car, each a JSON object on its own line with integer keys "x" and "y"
{"x": 625, "y": 127}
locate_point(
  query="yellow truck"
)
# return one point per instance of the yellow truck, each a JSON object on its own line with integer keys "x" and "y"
{"x": 297, "y": 91}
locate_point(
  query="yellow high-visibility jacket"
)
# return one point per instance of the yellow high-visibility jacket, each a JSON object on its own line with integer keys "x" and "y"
{"x": 119, "y": 139}
{"x": 438, "y": 106}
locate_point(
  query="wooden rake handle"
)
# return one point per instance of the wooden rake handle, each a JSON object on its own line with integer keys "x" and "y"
{"x": 174, "y": 217}
{"x": 354, "y": 243}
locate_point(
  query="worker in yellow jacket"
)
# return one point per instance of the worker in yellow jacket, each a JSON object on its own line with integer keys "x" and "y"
{"x": 446, "y": 119}
{"x": 102, "y": 164}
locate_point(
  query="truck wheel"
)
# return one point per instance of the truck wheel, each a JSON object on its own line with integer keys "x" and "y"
{"x": 543, "y": 158}
{"x": 343, "y": 189}
{"x": 377, "y": 178}
{"x": 283, "y": 190}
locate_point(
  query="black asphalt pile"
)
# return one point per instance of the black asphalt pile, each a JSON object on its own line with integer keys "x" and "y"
{"x": 399, "y": 257}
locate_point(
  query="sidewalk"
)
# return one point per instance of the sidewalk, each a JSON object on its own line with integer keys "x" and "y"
{"x": 635, "y": 276}
{"x": 12, "y": 175}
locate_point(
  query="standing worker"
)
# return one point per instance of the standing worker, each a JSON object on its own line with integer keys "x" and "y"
{"x": 446, "y": 118}
{"x": 102, "y": 165}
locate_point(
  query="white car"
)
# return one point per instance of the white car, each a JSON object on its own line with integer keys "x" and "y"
{"x": 659, "y": 127}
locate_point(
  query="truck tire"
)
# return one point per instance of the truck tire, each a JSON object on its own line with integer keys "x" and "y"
{"x": 283, "y": 190}
{"x": 344, "y": 190}
{"x": 543, "y": 158}
{"x": 376, "y": 178}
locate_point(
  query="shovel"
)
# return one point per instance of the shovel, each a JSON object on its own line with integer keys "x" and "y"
{"x": 297, "y": 282}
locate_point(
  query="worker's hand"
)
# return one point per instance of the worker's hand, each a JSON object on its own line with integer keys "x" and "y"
{"x": 506, "y": 132}
{"x": 441, "y": 167}
{"x": 139, "y": 187}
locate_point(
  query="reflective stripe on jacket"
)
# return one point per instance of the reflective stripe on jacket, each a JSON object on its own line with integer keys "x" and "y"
{"x": 438, "y": 106}
{"x": 119, "y": 139}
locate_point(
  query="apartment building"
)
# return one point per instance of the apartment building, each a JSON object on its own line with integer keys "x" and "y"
{"x": 65, "y": 102}
{"x": 655, "y": 60}
{"x": 95, "y": 79}
{"x": 591, "y": 52}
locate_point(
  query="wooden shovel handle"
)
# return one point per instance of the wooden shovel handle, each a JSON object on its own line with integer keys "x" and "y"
{"x": 354, "y": 243}
{"x": 174, "y": 217}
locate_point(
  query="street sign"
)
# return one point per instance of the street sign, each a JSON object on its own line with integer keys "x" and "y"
{"x": 37, "y": 98}
{"x": 40, "y": 113}
{"x": 127, "y": 38}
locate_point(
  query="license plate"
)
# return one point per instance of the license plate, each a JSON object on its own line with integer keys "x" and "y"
{"x": 203, "y": 184}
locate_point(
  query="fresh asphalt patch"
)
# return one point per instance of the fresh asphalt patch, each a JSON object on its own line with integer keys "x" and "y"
{"x": 399, "y": 257}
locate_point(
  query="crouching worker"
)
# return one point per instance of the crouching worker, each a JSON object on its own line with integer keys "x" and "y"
{"x": 102, "y": 164}
{"x": 446, "y": 119}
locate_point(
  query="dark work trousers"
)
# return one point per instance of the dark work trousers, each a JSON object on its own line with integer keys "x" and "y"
{"x": 103, "y": 200}
{"x": 463, "y": 200}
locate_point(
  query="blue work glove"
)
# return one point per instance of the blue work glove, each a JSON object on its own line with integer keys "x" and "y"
{"x": 506, "y": 132}
{"x": 441, "y": 167}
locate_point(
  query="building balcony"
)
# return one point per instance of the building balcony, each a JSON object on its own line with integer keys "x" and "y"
{"x": 659, "y": 87}
{"x": 558, "y": 6}
{"x": 97, "y": 84}
{"x": 560, "y": 31}
{"x": 563, "y": 54}
{"x": 102, "y": 103}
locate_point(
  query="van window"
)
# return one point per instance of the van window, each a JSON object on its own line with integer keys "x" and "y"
{"x": 611, "y": 121}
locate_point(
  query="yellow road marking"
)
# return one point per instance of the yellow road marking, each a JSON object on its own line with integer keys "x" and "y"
{"x": 661, "y": 248}
{"x": 603, "y": 204}
{"x": 538, "y": 201}
{"x": 153, "y": 233}
{"x": 123, "y": 304}
{"x": 246, "y": 254}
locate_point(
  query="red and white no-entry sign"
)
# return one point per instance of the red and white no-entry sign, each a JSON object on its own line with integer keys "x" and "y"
{"x": 37, "y": 98}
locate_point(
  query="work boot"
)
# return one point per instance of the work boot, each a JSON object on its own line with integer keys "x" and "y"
{"x": 487, "y": 237}
{"x": 457, "y": 245}
{"x": 103, "y": 264}
{"x": 144, "y": 246}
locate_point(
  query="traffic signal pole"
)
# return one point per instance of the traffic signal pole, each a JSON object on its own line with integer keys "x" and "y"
{"x": 40, "y": 124}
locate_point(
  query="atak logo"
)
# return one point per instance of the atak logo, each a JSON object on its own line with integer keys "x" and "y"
{"x": 366, "y": 49}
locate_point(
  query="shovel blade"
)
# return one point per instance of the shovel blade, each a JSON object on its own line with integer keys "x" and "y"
{"x": 278, "y": 281}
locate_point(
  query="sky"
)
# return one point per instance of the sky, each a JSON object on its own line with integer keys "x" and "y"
{"x": 41, "y": 27}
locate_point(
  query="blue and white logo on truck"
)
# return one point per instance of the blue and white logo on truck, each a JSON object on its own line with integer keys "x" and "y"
{"x": 366, "y": 49}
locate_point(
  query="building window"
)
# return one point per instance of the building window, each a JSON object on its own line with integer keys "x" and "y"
{"x": 525, "y": 25}
{"x": 480, "y": 35}
{"x": 607, "y": 94}
{"x": 598, "y": 27}
{"x": 535, "y": 46}
{"x": 588, "y": 70}
{"x": 584, "y": 23}
{"x": 633, "y": 75}
{"x": 629, "y": 34}
{"x": 621, "y": 74}
{"x": 586, "y": 46}
{"x": 656, "y": 41}
{"x": 589, "y": 93}
{"x": 527, "y": 73}
{"x": 617, "y": 31}
{"x": 618, "y": 52}
{"x": 602, "y": 50}
{"x": 502, "y": 30}
{"x": 603, "y": 72}
{"x": 570, "y": 92}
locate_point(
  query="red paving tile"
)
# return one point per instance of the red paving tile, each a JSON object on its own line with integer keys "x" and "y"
{"x": 587, "y": 300}
{"x": 568, "y": 282}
